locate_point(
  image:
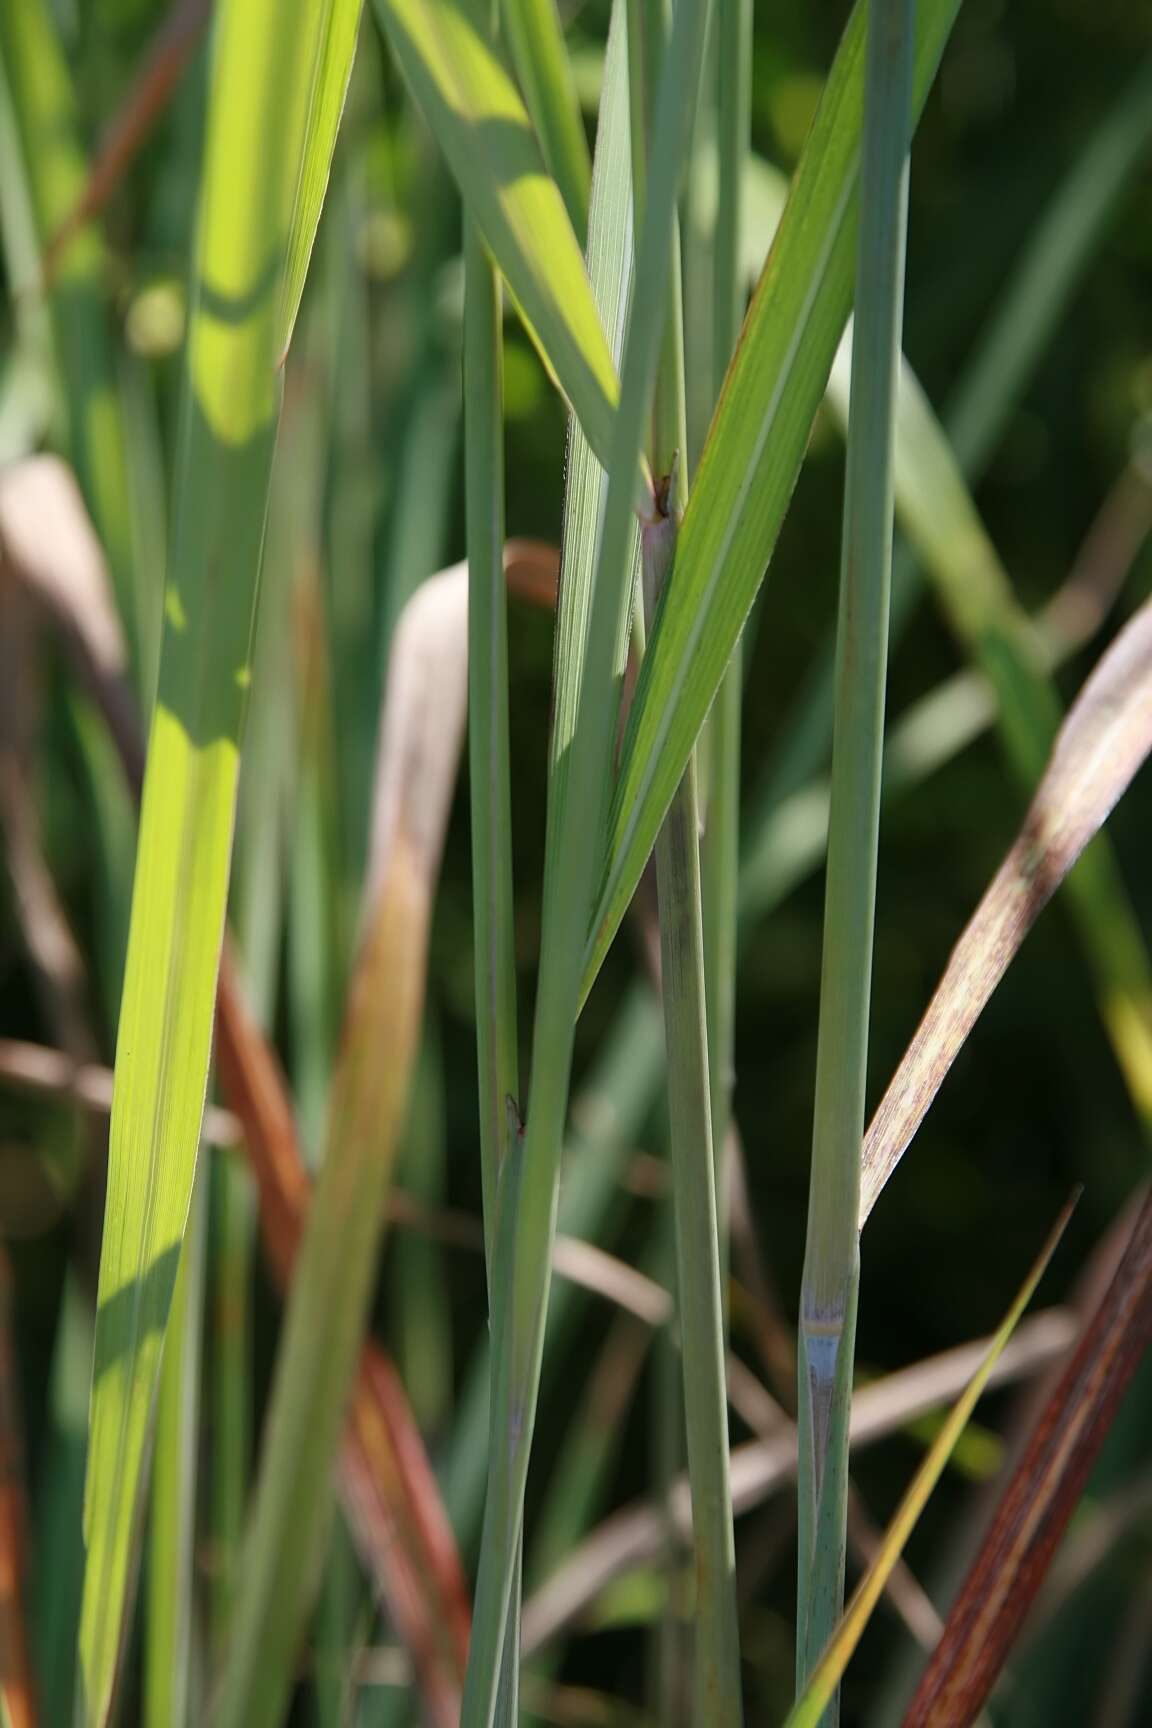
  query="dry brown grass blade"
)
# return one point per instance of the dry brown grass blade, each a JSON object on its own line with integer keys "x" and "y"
{"x": 1041, "y": 1496}
{"x": 16, "y": 1686}
{"x": 1100, "y": 747}
{"x": 149, "y": 96}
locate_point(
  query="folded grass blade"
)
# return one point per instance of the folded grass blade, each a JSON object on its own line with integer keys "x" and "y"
{"x": 471, "y": 103}
{"x": 1098, "y": 750}
{"x": 255, "y": 151}
{"x": 809, "y": 1707}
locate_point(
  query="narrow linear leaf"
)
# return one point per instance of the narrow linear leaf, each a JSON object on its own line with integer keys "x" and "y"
{"x": 261, "y": 69}
{"x": 1100, "y": 747}
{"x": 469, "y": 100}
{"x": 333, "y": 27}
{"x": 421, "y": 735}
{"x": 1042, "y": 1494}
{"x": 536, "y": 39}
{"x": 809, "y": 1707}
{"x": 750, "y": 462}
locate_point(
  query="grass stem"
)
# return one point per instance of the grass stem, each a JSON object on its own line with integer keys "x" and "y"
{"x": 831, "y": 1265}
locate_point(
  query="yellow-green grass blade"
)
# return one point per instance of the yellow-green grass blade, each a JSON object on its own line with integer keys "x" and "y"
{"x": 254, "y": 155}
{"x": 471, "y": 103}
{"x": 172, "y": 1534}
{"x": 975, "y": 592}
{"x": 40, "y": 86}
{"x": 536, "y": 40}
{"x": 750, "y": 462}
{"x": 813, "y": 1701}
{"x": 1100, "y": 747}
{"x": 330, "y": 28}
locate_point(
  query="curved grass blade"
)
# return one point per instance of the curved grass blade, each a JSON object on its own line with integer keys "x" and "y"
{"x": 254, "y": 157}
{"x": 810, "y": 1706}
{"x": 750, "y": 463}
{"x": 1098, "y": 750}
{"x": 1041, "y": 1495}
{"x": 331, "y": 1284}
{"x": 474, "y": 110}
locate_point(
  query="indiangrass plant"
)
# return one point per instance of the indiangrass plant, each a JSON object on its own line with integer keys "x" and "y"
{"x": 313, "y": 242}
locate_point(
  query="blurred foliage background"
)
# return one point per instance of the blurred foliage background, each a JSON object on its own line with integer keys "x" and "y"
{"x": 368, "y": 500}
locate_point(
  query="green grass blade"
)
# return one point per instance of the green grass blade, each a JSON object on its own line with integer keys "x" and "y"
{"x": 536, "y": 39}
{"x": 231, "y": 401}
{"x": 974, "y": 590}
{"x": 830, "y": 1286}
{"x": 610, "y": 272}
{"x": 720, "y": 847}
{"x": 469, "y": 100}
{"x": 490, "y": 781}
{"x": 810, "y": 1707}
{"x": 528, "y": 1211}
{"x": 750, "y": 463}
{"x": 328, "y": 33}
{"x": 168, "y": 1653}
{"x": 1036, "y": 297}
{"x": 717, "y": 1647}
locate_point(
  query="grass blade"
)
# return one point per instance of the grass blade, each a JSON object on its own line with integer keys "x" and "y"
{"x": 327, "y": 1305}
{"x": 536, "y": 39}
{"x": 168, "y": 1654}
{"x": 810, "y": 1706}
{"x": 830, "y": 1286}
{"x": 1042, "y": 1494}
{"x": 479, "y": 121}
{"x": 231, "y": 401}
{"x": 527, "y": 1225}
{"x": 750, "y": 462}
{"x": 1100, "y": 747}
{"x": 490, "y": 777}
